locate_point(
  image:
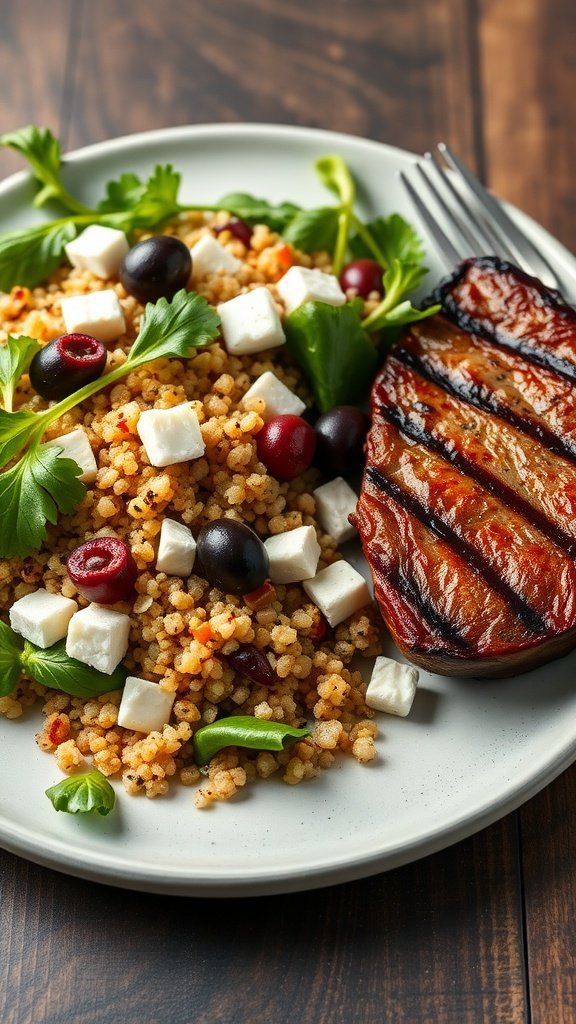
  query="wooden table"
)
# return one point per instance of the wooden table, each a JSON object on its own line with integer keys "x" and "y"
{"x": 483, "y": 932}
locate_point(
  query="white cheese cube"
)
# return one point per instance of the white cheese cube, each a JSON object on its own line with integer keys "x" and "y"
{"x": 293, "y": 555}
{"x": 176, "y": 549}
{"x": 97, "y": 313}
{"x": 99, "y": 250}
{"x": 338, "y": 591}
{"x": 392, "y": 687}
{"x": 250, "y": 322}
{"x": 41, "y": 617}
{"x": 334, "y": 503}
{"x": 98, "y": 637}
{"x": 280, "y": 401}
{"x": 76, "y": 446}
{"x": 301, "y": 284}
{"x": 144, "y": 706}
{"x": 209, "y": 256}
{"x": 171, "y": 435}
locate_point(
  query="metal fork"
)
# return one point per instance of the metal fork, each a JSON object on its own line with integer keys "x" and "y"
{"x": 478, "y": 223}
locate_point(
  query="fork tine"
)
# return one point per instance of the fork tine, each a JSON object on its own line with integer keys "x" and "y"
{"x": 451, "y": 255}
{"x": 458, "y": 225}
{"x": 526, "y": 253}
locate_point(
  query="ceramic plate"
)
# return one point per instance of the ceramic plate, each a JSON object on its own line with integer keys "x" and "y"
{"x": 468, "y": 754}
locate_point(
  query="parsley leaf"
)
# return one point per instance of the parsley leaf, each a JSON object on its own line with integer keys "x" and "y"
{"x": 32, "y": 493}
{"x": 174, "y": 328}
{"x": 82, "y": 794}
{"x": 392, "y": 237}
{"x": 29, "y": 255}
{"x": 311, "y": 230}
{"x": 257, "y": 211}
{"x": 393, "y": 310}
{"x": 15, "y": 432}
{"x": 10, "y": 666}
{"x": 131, "y": 203}
{"x": 42, "y": 151}
{"x": 15, "y": 358}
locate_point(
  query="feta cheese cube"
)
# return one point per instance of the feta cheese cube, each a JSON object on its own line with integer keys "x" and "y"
{"x": 97, "y": 313}
{"x": 144, "y": 707}
{"x": 41, "y": 617}
{"x": 250, "y": 322}
{"x": 301, "y": 284}
{"x": 334, "y": 503}
{"x": 99, "y": 250}
{"x": 176, "y": 549}
{"x": 98, "y": 637}
{"x": 76, "y": 446}
{"x": 338, "y": 591}
{"x": 392, "y": 687}
{"x": 293, "y": 555}
{"x": 209, "y": 256}
{"x": 171, "y": 435}
{"x": 280, "y": 401}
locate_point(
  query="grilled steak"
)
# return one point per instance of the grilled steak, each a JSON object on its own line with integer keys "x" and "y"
{"x": 467, "y": 512}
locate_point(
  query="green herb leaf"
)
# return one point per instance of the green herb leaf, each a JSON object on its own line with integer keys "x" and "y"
{"x": 174, "y": 328}
{"x": 258, "y": 211}
{"x": 243, "y": 731}
{"x": 82, "y": 794}
{"x": 123, "y": 193}
{"x": 312, "y": 230}
{"x": 336, "y": 354}
{"x": 42, "y": 151}
{"x": 15, "y": 429}
{"x": 30, "y": 255}
{"x": 132, "y": 204}
{"x": 398, "y": 279}
{"x": 10, "y": 653}
{"x": 15, "y": 358}
{"x": 393, "y": 238}
{"x": 32, "y": 493}
{"x": 334, "y": 173}
{"x": 52, "y": 667}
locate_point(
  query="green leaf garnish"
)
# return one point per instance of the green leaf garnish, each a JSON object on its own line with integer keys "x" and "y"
{"x": 15, "y": 432}
{"x": 31, "y": 254}
{"x": 257, "y": 211}
{"x": 333, "y": 349}
{"x": 51, "y": 667}
{"x": 15, "y": 358}
{"x": 11, "y": 646}
{"x": 243, "y": 731}
{"x": 394, "y": 310}
{"x": 335, "y": 174}
{"x": 82, "y": 794}
{"x": 131, "y": 203}
{"x": 174, "y": 328}
{"x": 392, "y": 237}
{"x": 42, "y": 151}
{"x": 311, "y": 230}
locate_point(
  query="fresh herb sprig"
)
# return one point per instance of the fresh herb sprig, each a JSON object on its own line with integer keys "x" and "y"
{"x": 51, "y": 667}
{"x": 41, "y": 484}
{"x": 243, "y": 731}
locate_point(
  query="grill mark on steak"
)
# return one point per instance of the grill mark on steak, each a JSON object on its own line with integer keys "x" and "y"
{"x": 430, "y": 425}
{"x": 492, "y": 298}
{"x": 425, "y": 606}
{"x": 531, "y": 619}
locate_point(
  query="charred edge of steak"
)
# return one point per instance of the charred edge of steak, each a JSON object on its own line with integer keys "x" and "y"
{"x": 531, "y": 619}
{"x": 444, "y": 295}
{"x": 508, "y": 495}
{"x": 488, "y": 402}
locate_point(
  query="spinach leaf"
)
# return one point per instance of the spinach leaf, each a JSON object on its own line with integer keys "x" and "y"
{"x": 82, "y": 794}
{"x": 243, "y": 731}
{"x": 333, "y": 350}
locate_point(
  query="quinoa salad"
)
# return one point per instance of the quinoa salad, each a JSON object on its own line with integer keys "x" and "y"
{"x": 208, "y": 624}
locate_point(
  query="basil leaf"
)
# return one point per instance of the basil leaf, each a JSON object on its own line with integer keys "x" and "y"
{"x": 30, "y": 255}
{"x": 258, "y": 211}
{"x": 83, "y": 794}
{"x": 32, "y": 492}
{"x": 10, "y": 653}
{"x": 174, "y": 328}
{"x": 333, "y": 350}
{"x": 52, "y": 667}
{"x": 243, "y": 731}
{"x": 15, "y": 358}
{"x": 313, "y": 230}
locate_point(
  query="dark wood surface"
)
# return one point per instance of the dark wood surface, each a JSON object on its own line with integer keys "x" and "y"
{"x": 483, "y": 932}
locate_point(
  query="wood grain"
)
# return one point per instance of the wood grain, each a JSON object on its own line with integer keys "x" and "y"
{"x": 435, "y": 941}
{"x": 32, "y": 77}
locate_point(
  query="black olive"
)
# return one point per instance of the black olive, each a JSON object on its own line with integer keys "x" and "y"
{"x": 232, "y": 556}
{"x": 156, "y": 268}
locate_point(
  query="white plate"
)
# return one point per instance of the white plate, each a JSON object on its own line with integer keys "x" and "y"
{"x": 468, "y": 754}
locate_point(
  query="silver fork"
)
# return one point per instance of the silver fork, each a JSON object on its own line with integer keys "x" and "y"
{"x": 478, "y": 223}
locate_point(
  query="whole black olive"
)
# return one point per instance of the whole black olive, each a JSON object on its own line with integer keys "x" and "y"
{"x": 156, "y": 268}
{"x": 233, "y": 556}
